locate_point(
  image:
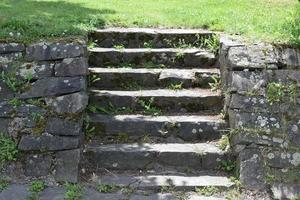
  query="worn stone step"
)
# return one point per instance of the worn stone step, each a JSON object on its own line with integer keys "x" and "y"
{"x": 201, "y": 156}
{"x": 159, "y": 101}
{"x": 156, "y": 182}
{"x": 185, "y": 127}
{"x": 146, "y": 37}
{"x": 152, "y": 58}
{"x": 135, "y": 79}
{"x": 89, "y": 192}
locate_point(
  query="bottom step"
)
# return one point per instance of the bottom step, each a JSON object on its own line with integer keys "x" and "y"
{"x": 155, "y": 182}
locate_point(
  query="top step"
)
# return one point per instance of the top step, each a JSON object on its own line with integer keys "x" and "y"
{"x": 149, "y": 38}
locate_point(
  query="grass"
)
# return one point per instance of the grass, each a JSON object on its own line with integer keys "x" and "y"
{"x": 270, "y": 20}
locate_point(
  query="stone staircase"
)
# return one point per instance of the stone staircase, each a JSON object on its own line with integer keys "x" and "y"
{"x": 156, "y": 120}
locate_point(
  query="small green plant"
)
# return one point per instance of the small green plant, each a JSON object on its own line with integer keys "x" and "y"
{"x": 179, "y": 55}
{"x": 227, "y": 165}
{"x": 174, "y": 86}
{"x": 107, "y": 188}
{"x": 223, "y": 142}
{"x": 216, "y": 84}
{"x": 150, "y": 65}
{"x": 89, "y": 130}
{"x": 36, "y": 187}
{"x": 148, "y": 44}
{"x": 212, "y": 43}
{"x": 126, "y": 65}
{"x": 74, "y": 191}
{"x": 15, "y": 102}
{"x": 8, "y": 149}
{"x": 275, "y": 92}
{"x": 148, "y": 107}
{"x": 93, "y": 78}
{"x": 4, "y": 183}
{"x": 10, "y": 81}
{"x": 145, "y": 138}
{"x": 127, "y": 190}
{"x": 207, "y": 191}
{"x": 130, "y": 85}
{"x": 119, "y": 46}
{"x": 91, "y": 44}
{"x": 122, "y": 137}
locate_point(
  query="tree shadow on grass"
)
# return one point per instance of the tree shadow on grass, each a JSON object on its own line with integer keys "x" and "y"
{"x": 32, "y": 19}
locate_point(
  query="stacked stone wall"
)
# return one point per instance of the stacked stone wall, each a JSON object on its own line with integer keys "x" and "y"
{"x": 42, "y": 102}
{"x": 261, "y": 84}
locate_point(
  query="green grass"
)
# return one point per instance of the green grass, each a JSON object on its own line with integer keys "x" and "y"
{"x": 270, "y": 20}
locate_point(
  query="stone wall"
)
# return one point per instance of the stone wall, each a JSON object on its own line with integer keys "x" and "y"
{"x": 262, "y": 88}
{"x": 42, "y": 102}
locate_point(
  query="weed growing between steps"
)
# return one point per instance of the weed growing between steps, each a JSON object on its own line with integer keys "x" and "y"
{"x": 174, "y": 86}
{"x": 216, "y": 84}
{"x": 4, "y": 182}
{"x": 74, "y": 191}
{"x": 108, "y": 188}
{"x": 35, "y": 188}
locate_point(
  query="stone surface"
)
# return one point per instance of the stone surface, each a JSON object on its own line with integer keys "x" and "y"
{"x": 58, "y": 126}
{"x": 24, "y": 110}
{"x": 285, "y": 191}
{"x": 54, "y": 51}
{"x": 55, "y": 86}
{"x": 72, "y": 67}
{"x": 290, "y": 57}
{"x": 5, "y": 92}
{"x": 4, "y": 125}
{"x": 7, "y": 58}
{"x": 47, "y": 143}
{"x": 141, "y": 156}
{"x": 15, "y": 191}
{"x": 71, "y": 103}
{"x": 187, "y": 127}
{"x": 36, "y": 69}
{"x": 38, "y": 165}
{"x": 188, "y": 58}
{"x": 156, "y": 37}
{"x": 171, "y": 101}
{"x": 158, "y": 181}
{"x": 252, "y": 57}
{"x": 251, "y": 169}
{"x": 67, "y": 162}
{"x": 11, "y": 47}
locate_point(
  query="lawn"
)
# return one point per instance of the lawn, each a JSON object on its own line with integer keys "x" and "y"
{"x": 268, "y": 20}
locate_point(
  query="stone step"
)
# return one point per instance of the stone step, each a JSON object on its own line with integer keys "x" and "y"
{"x": 159, "y": 101}
{"x": 186, "y": 127}
{"x": 89, "y": 192}
{"x": 146, "y": 37}
{"x": 157, "y": 182}
{"x": 152, "y": 58}
{"x": 200, "y": 156}
{"x": 134, "y": 79}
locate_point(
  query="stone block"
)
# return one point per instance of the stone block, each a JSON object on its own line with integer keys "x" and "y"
{"x": 285, "y": 190}
{"x": 54, "y": 51}
{"x": 71, "y": 103}
{"x": 24, "y": 110}
{"x": 38, "y": 165}
{"x": 253, "y": 57}
{"x": 58, "y": 126}
{"x": 55, "y": 86}
{"x": 251, "y": 169}
{"x": 11, "y": 47}
{"x": 290, "y": 57}
{"x": 67, "y": 163}
{"x": 72, "y": 67}
{"x": 47, "y": 143}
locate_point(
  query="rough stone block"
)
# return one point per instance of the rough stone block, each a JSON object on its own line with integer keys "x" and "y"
{"x": 246, "y": 81}
{"x": 290, "y": 57}
{"x": 252, "y": 57}
{"x": 24, "y": 110}
{"x": 7, "y": 58}
{"x": 11, "y": 47}
{"x": 36, "y": 69}
{"x": 4, "y": 122}
{"x": 58, "y": 126}
{"x": 38, "y": 165}
{"x": 251, "y": 169}
{"x": 72, "y": 103}
{"x": 54, "y": 51}
{"x": 67, "y": 165}
{"x": 5, "y": 92}
{"x": 282, "y": 159}
{"x": 285, "y": 190}
{"x": 55, "y": 86}
{"x": 47, "y": 143}
{"x": 268, "y": 122}
{"x": 72, "y": 67}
